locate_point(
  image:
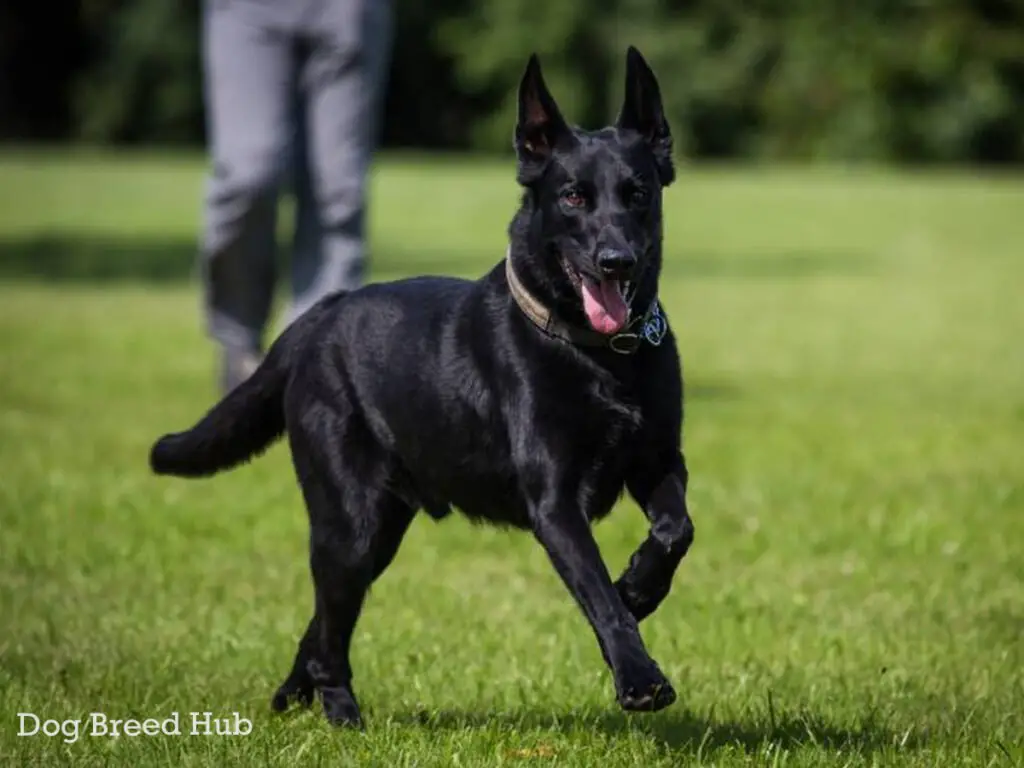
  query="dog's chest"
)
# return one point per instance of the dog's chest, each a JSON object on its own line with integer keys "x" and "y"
{"x": 601, "y": 425}
{"x": 602, "y": 409}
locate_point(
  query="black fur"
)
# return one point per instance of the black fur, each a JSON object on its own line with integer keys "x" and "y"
{"x": 432, "y": 393}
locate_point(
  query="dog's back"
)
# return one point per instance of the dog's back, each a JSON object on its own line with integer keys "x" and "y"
{"x": 414, "y": 362}
{"x": 371, "y": 333}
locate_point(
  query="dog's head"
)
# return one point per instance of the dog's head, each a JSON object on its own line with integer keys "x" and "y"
{"x": 591, "y": 215}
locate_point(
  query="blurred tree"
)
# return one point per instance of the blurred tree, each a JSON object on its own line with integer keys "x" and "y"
{"x": 145, "y": 83}
{"x": 424, "y": 107}
{"x": 892, "y": 80}
{"x": 41, "y": 49}
{"x": 490, "y": 45}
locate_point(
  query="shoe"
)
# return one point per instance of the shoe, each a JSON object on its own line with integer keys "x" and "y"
{"x": 237, "y": 365}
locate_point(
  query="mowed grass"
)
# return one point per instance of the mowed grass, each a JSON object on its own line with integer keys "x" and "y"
{"x": 855, "y": 433}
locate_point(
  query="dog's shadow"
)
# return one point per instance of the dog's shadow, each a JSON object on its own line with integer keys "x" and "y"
{"x": 680, "y": 731}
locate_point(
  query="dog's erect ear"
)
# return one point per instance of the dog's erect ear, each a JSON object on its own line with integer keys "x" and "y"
{"x": 539, "y": 125}
{"x": 642, "y": 112}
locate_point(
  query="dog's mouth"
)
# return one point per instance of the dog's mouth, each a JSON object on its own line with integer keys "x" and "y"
{"x": 605, "y": 301}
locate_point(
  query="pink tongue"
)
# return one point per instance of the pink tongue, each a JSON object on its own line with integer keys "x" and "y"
{"x": 604, "y": 306}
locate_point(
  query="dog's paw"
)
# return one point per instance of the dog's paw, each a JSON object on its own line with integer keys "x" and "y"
{"x": 340, "y": 707}
{"x": 642, "y": 590}
{"x": 297, "y": 691}
{"x": 645, "y": 690}
{"x": 638, "y": 602}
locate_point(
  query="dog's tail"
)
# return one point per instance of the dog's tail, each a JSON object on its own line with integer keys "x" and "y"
{"x": 247, "y": 421}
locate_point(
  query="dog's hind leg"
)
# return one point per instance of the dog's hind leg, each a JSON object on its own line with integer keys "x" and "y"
{"x": 356, "y": 526}
{"x": 299, "y": 686}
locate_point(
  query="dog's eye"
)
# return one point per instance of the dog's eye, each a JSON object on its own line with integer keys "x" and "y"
{"x": 573, "y": 197}
{"x": 639, "y": 196}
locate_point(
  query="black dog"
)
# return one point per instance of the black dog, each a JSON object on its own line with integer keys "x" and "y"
{"x": 531, "y": 397}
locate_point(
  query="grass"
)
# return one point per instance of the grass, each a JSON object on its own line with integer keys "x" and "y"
{"x": 855, "y": 433}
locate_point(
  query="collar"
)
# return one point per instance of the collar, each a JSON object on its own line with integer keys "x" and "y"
{"x": 650, "y": 327}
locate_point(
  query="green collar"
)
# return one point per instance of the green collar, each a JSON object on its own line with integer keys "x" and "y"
{"x": 650, "y": 327}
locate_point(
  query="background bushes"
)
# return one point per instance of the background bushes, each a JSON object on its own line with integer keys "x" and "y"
{"x": 926, "y": 81}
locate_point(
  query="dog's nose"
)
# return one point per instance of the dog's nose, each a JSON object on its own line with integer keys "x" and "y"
{"x": 615, "y": 262}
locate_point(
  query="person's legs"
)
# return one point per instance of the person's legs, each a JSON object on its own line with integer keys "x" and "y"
{"x": 248, "y": 71}
{"x": 308, "y": 234}
{"x": 343, "y": 79}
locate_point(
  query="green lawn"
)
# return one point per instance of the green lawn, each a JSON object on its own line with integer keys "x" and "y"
{"x": 854, "y": 345}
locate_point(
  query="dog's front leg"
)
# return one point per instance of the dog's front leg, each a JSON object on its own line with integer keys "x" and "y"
{"x": 566, "y": 536}
{"x": 648, "y": 578}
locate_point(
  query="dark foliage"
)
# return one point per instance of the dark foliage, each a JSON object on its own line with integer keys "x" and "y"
{"x": 911, "y": 81}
